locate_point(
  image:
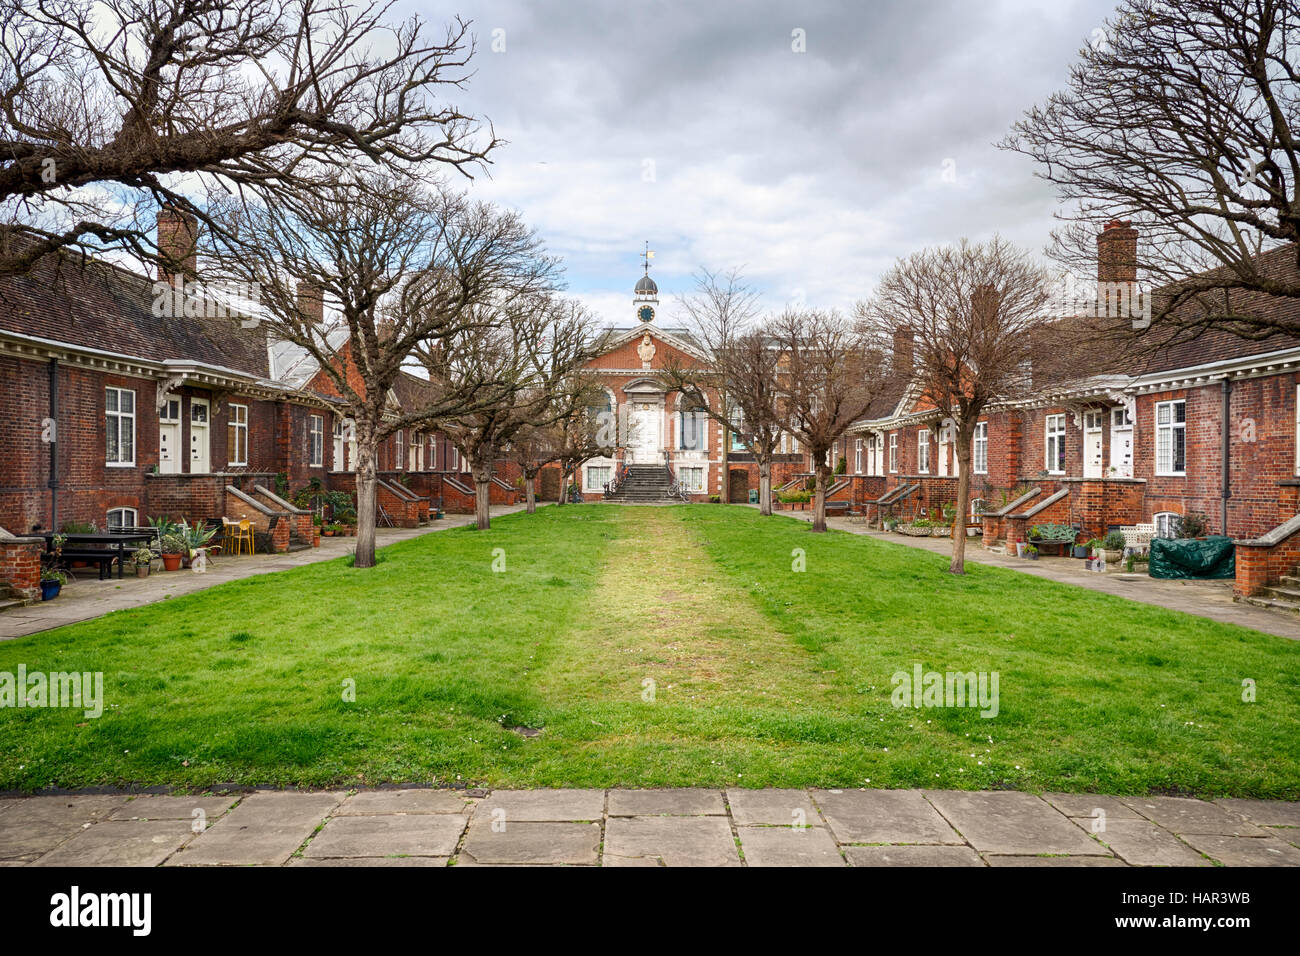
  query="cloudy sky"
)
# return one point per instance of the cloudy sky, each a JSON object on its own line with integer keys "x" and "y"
{"x": 698, "y": 127}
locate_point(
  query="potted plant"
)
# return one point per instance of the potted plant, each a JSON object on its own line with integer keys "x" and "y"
{"x": 193, "y": 540}
{"x": 1113, "y": 546}
{"x": 1194, "y": 525}
{"x": 143, "y": 559}
{"x": 1094, "y": 547}
{"x": 1031, "y": 552}
{"x": 1020, "y": 549}
{"x": 173, "y": 550}
{"x": 51, "y": 584}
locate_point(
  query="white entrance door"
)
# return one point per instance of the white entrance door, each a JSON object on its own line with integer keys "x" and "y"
{"x": 643, "y": 432}
{"x": 1121, "y": 444}
{"x": 169, "y": 437}
{"x": 943, "y": 453}
{"x": 199, "y": 431}
{"x": 1093, "y": 463}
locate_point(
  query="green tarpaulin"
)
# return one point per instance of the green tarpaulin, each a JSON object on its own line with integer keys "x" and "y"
{"x": 1193, "y": 558}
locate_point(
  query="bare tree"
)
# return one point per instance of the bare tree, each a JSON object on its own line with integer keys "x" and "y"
{"x": 568, "y": 435}
{"x": 518, "y": 361}
{"x": 830, "y": 374}
{"x": 411, "y": 268}
{"x": 111, "y": 109}
{"x": 1182, "y": 118}
{"x": 720, "y": 306}
{"x": 976, "y": 316}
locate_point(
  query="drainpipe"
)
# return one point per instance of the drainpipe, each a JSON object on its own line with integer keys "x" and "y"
{"x": 54, "y": 445}
{"x": 1226, "y": 480}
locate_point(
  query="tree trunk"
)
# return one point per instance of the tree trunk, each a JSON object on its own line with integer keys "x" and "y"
{"x": 725, "y": 458}
{"x": 481, "y": 469}
{"x": 367, "y": 448}
{"x": 564, "y": 485}
{"x": 530, "y": 492}
{"x": 765, "y": 486}
{"x": 958, "y": 565}
{"x": 819, "y": 495}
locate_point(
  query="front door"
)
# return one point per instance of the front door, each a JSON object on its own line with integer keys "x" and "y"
{"x": 1121, "y": 444}
{"x": 1093, "y": 463}
{"x": 643, "y": 432}
{"x": 169, "y": 437}
{"x": 199, "y": 430}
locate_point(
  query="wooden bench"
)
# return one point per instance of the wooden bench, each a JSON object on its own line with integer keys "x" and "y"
{"x": 837, "y": 507}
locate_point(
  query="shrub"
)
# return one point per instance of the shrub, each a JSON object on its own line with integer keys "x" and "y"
{"x": 1053, "y": 532}
{"x": 1193, "y": 525}
{"x": 1114, "y": 540}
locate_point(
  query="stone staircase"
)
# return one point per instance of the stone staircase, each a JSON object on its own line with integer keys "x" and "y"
{"x": 643, "y": 484}
{"x": 1283, "y": 596}
{"x": 9, "y": 598}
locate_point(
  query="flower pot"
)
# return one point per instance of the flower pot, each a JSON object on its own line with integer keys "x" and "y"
{"x": 142, "y": 570}
{"x": 1113, "y": 557}
{"x": 1080, "y": 550}
{"x": 50, "y": 590}
{"x": 171, "y": 562}
{"x": 1032, "y": 555}
{"x": 1020, "y": 549}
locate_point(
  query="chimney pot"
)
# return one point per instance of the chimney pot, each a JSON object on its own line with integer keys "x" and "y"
{"x": 177, "y": 239}
{"x": 1117, "y": 252}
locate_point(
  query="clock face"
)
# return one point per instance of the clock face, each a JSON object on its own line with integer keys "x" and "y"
{"x": 645, "y": 313}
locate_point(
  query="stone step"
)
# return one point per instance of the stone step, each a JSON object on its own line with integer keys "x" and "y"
{"x": 1284, "y": 593}
{"x": 7, "y": 603}
{"x": 1261, "y": 600}
{"x": 1290, "y": 580}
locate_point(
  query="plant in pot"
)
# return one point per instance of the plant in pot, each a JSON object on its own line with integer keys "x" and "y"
{"x": 143, "y": 560}
{"x": 1112, "y": 546}
{"x": 1031, "y": 552}
{"x": 173, "y": 551}
{"x": 1094, "y": 547}
{"x": 51, "y": 584}
{"x": 194, "y": 540}
{"x": 1194, "y": 525}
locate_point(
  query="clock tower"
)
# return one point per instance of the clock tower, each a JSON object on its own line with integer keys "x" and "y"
{"x": 645, "y": 297}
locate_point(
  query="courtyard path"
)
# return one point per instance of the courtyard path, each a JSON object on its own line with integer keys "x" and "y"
{"x": 683, "y": 827}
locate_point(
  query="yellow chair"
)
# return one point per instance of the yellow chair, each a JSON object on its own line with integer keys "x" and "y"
{"x": 244, "y": 536}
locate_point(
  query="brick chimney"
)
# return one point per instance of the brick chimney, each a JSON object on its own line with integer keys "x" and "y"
{"x": 904, "y": 345}
{"x": 311, "y": 302}
{"x": 178, "y": 234}
{"x": 1117, "y": 247}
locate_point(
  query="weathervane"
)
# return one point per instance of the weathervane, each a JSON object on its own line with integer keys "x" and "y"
{"x": 648, "y": 255}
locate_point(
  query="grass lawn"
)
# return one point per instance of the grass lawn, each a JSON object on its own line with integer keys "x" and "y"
{"x": 762, "y": 676}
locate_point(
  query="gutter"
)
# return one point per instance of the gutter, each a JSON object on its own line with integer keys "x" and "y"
{"x": 54, "y": 444}
{"x": 1225, "y": 482}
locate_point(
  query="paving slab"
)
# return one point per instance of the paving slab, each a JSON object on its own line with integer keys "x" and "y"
{"x": 121, "y": 843}
{"x": 265, "y": 829}
{"x": 541, "y": 806}
{"x": 772, "y": 808}
{"x": 883, "y": 816}
{"x": 789, "y": 846}
{"x": 36, "y": 825}
{"x": 1186, "y": 815}
{"x": 1245, "y": 851}
{"x": 996, "y": 860}
{"x": 540, "y": 844}
{"x": 1081, "y": 805}
{"x": 688, "y": 801}
{"x": 408, "y": 834}
{"x": 1265, "y": 813}
{"x": 372, "y": 861}
{"x": 1142, "y": 843}
{"x": 1012, "y": 823}
{"x": 677, "y": 841}
{"x": 165, "y": 807}
{"x": 404, "y": 801}
{"x": 912, "y": 856}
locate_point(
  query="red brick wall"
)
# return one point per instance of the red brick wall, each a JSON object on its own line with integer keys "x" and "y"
{"x": 20, "y": 566}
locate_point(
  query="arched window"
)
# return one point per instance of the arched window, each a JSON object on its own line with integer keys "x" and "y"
{"x": 1167, "y": 524}
{"x": 693, "y": 429}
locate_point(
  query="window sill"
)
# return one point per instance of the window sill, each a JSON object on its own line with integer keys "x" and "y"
{"x": 119, "y": 464}
{"x": 1171, "y": 474}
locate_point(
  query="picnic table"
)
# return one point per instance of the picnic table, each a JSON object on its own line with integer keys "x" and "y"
{"x": 102, "y": 547}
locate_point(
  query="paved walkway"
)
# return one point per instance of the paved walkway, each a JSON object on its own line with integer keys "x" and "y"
{"x": 1211, "y": 599}
{"x": 87, "y": 597}
{"x": 690, "y": 827}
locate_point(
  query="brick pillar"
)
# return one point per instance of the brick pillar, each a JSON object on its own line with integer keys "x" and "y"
{"x": 20, "y": 566}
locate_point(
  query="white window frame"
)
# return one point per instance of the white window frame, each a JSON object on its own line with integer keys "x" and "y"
{"x": 238, "y": 421}
{"x": 979, "y": 452}
{"x": 1170, "y": 428}
{"x": 340, "y": 445}
{"x": 923, "y": 451}
{"x": 592, "y": 486}
{"x": 699, "y": 479}
{"x": 1054, "y": 444}
{"x": 893, "y": 453}
{"x": 1297, "y": 429}
{"x": 433, "y": 453}
{"x": 134, "y": 522}
{"x": 699, "y": 418}
{"x": 116, "y": 419}
{"x": 400, "y": 440}
{"x": 316, "y": 441}
{"x": 857, "y": 456}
